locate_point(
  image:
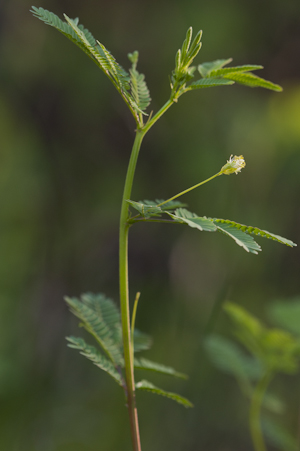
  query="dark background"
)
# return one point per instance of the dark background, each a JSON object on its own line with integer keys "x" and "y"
{"x": 65, "y": 140}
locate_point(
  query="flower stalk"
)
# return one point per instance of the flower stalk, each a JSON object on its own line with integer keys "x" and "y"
{"x": 233, "y": 166}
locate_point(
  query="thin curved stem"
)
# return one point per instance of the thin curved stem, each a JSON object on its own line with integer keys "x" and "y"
{"x": 255, "y": 410}
{"x": 137, "y": 297}
{"x": 189, "y": 189}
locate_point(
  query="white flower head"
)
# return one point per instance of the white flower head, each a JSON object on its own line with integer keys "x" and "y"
{"x": 234, "y": 165}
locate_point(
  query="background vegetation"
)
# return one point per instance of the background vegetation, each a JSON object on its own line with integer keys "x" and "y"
{"x": 65, "y": 139}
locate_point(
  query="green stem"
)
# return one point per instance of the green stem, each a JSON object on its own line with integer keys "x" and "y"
{"x": 155, "y": 118}
{"x": 137, "y": 297}
{"x": 123, "y": 276}
{"x": 124, "y": 294}
{"x": 255, "y": 410}
{"x": 189, "y": 189}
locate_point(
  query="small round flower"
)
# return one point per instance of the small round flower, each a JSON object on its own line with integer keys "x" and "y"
{"x": 234, "y": 165}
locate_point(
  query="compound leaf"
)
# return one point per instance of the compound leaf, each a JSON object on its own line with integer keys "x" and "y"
{"x": 278, "y": 350}
{"x": 104, "y": 58}
{"x": 229, "y": 70}
{"x": 171, "y": 205}
{"x": 145, "y": 364}
{"x": 53, "y": 20}
{"x": 106, "y": 309}
{"x": 209, "y": 83}
{"x": 145, "y": 210}
{"x": 252, "y": 80}
{"x": 256, "y": 231}
{"x": 191, "y": 219}
{"x": 241, "y": 238}
{"x": 95, "y": 50}
{"x": 148, "y": 386}
{"x": 149, "y": 208}
{"x": 93, "y": 322}
{"x": 139, "y": 88}
{"x": 91, "y": 353}
{"x": 206, "y": 68}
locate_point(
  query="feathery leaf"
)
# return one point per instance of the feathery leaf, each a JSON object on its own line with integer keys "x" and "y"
{"x": 106, "y": 309}
{"x": 241, "y": 238}
{"x": 148, "y": 386}
{"x": 256, "y": 231}
{"x": 145, "y": 364}
{"x": 206, "y": 68}
{"x": 171, "y": 205}
{"x": 53, "y": 20}
{"x": 252, "y": 81}
{"x": 151, "y": 208}
{"x": 94, "y": 323}
{"x": 229, "y": 70}
{"x": 209, "y": 83}
{"x": 201, "y": 223}
{"x": 139, "y": 90}
{"x": 91, "y": 353}
{"x": 145, "y": 210}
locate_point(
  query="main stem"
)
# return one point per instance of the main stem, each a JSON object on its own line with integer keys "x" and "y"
{"x": 123, "y": 275}
{"x": 255, "y": 408}
{"x": 124, "y": 295}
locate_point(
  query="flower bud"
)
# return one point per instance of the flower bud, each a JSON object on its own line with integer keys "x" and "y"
{"x": 234, "y": 165}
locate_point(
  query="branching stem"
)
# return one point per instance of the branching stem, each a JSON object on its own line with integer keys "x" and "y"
{"x": 123, "y": 276}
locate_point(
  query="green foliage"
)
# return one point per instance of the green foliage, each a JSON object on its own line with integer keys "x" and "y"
{"x": 142, "y": 341}
{"x": 208, "y": 83}
{"x": 145, "y": 364}
{"x": 183, "y": 71}
{"x": 139, "y": 89}
{"x": 286, "y": 314}
{"x": 89, "y": 310}
{"x": 152, "y": 208}
{"x": 191, "y": 219}
{"x": 205, "y": 69}
{"x": 278, "y": 351}
{"x": 213, "y": 73}
{"x": 101, "y": 318}
{"x": 229, "y": 358}
{"x": 103, "y": 58}
{"x": 256, "y": 231}
{"x": 146, "y": 211}
{"x": 273, "y": 349}
{"x": 239, "y": 74}
{"x": 241, "y": 238}
{"x": 66, "y": 29}
{"x": 278, "y": 435}
{"x": 240, "y": 233}
{"x": 147, "y": 386}
{"x": 94, "y": 355}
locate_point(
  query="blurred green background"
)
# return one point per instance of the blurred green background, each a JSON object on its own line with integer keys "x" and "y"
{"x": 65, "y": 140}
